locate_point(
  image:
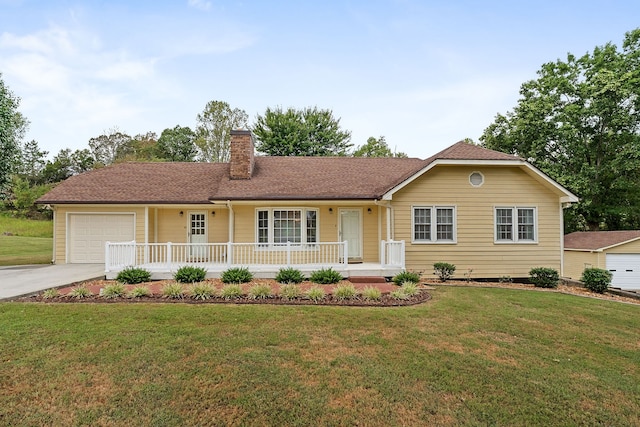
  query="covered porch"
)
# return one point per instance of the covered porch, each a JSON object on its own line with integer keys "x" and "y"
{"x": 263, "y": 260}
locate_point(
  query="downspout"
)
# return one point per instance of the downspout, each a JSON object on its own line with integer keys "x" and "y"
{"x": 231, "y": 221}
{"x": 53, "y": 255}
{"x": 561, "y": 240}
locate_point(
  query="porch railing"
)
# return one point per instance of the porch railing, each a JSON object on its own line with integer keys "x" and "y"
{"x": 171, "y": 256}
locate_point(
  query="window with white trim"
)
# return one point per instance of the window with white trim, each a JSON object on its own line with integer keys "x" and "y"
{"x": 434, "y": 224}
{"x": 515, "y": 224}
{"x": 280, "y": 226}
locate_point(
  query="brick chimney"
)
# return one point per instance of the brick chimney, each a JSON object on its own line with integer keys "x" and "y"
{"x": 241, "y": 158}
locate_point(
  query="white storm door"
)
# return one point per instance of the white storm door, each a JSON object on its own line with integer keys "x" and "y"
{"x": 197, "y": 233}
{"x": 351, "y": 231}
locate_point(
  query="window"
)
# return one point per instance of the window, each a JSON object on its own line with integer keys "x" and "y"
{"x": 281, "y": 226}
{"x": 515, "y": 225}
{"x": 434, "y": 224}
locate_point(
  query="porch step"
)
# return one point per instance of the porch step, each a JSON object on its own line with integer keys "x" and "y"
{"x": 367, "y": 279}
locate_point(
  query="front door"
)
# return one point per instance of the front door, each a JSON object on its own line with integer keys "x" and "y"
{"x": 351, "y": 231}
{"x": 197, "y": 234}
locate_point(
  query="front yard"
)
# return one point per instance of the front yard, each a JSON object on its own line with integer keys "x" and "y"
{"x": 470, "y": 356}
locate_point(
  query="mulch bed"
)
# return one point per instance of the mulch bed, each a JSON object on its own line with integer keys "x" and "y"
{"x": 156, "y": 288}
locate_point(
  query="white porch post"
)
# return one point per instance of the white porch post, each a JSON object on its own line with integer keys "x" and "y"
{"x": 169, "y": 256}
{"x": 382, "y": 253}
{"x": 288, "y": 253}
{"x": 346, "y": 254}
{"x": 229, "y": 254}
{"x": 107, "y": 260}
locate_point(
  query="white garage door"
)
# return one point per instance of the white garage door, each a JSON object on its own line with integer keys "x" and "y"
{"x": 88, "y": 234}
{"x": 625, "y": 269}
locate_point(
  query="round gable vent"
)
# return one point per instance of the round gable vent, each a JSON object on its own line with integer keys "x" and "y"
{"x": 476, "y": 179}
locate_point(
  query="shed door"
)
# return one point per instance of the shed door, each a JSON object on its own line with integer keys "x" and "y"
{"x": 88, "y": 234}
{"x": 625, "y": 269}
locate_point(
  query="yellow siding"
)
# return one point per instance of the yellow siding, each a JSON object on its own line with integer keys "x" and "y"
{"x": 628, "y": 248}
{"x": 575, "y": 262}
{"x": 475, "y": 248}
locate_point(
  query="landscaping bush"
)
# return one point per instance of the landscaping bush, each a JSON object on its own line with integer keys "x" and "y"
{"x": 202, "y": 291}
{"x": 173, "y": 291}
{"x": 190, "y": 274}
{"x": 289, "y": 275}
{"x": 236, "y": 275}
{"x": 443, "y": 270}
{"x": 315, "y": 294}
{"x": 399, "y": 294}
{"x": 290, "y": 291}
{"x": 80, "y": 292}
{"x": 50, "y": 293}
{"x": 345, "y": 291}
{"x": 325, "y": 276}
{"x": 371, "y": 293}
{"x": 410, "y": 288}
{"x": 406, "y": 276}
{"x": 596, "y": 279}
{"x": 260, "y": 291}
{"x": 133, "y": 275}
{"x": 114, "y": 290}
{"x": 231, "y": 291}
{"x": 544, "y": 277}
{"x": 139, "y": 292}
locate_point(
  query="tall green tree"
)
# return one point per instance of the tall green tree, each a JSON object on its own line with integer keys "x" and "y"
{"x": 106, "y": 148}
{"x": 177, "y": 145}
{"x": 12, "y": 128}
{"x": 306, "y": 132}
{"x": 579, "y": 122}
{"x": 66, "y": 164}
{"x": 140, "y": 148}
{"x": 376, "y": 148}
{"x": 214, "y": 130}
{"x": 32, "y": 161}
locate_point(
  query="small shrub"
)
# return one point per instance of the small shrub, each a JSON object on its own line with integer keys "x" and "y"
{"x": 410, "y": 288}
{"x": 173, "y": 291}
{"x": 345, "y": 291}
{"x": 236, "y": 275}
{"x": 202, "y": 291}
{"x": 406, "y": 276}
{"x": 289, "y": 275}
{"x": 596, "y": 279}
{"x": 290, "y": 291}
{"x": 399, "y": 294}
{"x": 325, "y": 276}
{"x": 114, "y": 290}
{"x": 190, "y": 274}
{"x": 505, "y": 279}
{"x": 371, "y": 294}
{"x": 139, "y": 292}
{"x": 231, "y": 291}
{"x": 260, "y": 291}
{"x": 80, "y": 292}
{"x": 315, "y": 294}
{"x": 133, "y": 276}
{"x": 443, "y": 270}
{"x": 50, "y": 293}
{"x": 543, "y": 277}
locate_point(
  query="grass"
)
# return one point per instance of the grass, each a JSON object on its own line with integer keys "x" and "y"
{"x": 30, "y": 242}
{"x": 469, "y": 357}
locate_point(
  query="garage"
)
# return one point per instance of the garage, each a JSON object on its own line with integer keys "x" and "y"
{"x": 88, "y": 234}
{"x": 616, "y": 251}
{"x": 625, "y": 269}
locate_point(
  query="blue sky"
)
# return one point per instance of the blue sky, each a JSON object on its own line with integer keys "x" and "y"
{"x": 425, "y": 74}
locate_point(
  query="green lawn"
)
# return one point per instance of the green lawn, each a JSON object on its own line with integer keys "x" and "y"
{"x": 25, "y": 241}
{"x": 468, "y": 357}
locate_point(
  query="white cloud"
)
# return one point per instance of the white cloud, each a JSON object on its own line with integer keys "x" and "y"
{"x": 200, "y": 4}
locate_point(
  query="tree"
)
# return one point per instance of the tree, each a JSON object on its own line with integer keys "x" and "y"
{"x": 579, "y": 122}
{"x": 376, "y": 148}
{"x": 32, "y": 162}
{"x": 12, "y": 128}
{"x": 140, "y": 148}
{"x": 106, "y": 148}
{"x": 214, "y": 130}
{"x": 307, "y": 132}
{"x": 66, "y": 164}
{"x": 177, "y": 145}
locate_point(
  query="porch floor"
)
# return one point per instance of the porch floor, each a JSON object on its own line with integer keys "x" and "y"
{"x": 267, "y": 271}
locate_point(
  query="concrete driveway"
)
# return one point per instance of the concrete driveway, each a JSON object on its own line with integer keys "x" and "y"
{"x": 27, "y": 279}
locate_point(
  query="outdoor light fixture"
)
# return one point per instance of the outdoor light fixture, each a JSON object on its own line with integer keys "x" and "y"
{"x": 330, "y": 210}
{"x": 213, "y": 213}
{"x": 181, "y": 213}
{"x": 369, "y": 210}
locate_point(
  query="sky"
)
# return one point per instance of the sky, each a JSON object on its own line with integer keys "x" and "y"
{"x": 423, "y": 74}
